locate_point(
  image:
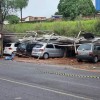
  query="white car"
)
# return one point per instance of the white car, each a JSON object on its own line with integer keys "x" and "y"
{"x": 10, "y": 48}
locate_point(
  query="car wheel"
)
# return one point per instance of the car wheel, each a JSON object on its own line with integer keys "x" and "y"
{"x": 79, "y": 60}
{"x": 95, "y": 59}
{"x": 46, "y": 56}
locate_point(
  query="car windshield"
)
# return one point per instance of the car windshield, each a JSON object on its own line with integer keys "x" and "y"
{"x": 38, "y": 45}
{"x": 7, "y": 45}
{"x": 84, "y": 47}
{"x": 23, "y": 45}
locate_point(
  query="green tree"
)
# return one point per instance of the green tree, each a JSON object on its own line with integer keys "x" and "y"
{"x": 6, "y": 8}
{"x": 13, "y": 19}
{"x": 73, "y": 8}
{"x": 20, "y": 4}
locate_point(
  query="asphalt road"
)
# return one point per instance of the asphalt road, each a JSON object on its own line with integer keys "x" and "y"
{"x": 29, "y": 81}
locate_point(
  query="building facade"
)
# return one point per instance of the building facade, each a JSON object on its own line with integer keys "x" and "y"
{"x": 31, "y": 18}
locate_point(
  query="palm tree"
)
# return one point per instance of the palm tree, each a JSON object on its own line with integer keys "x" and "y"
{"x": 20, "y": 4}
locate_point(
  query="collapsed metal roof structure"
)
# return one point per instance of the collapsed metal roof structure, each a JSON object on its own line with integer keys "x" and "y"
{"x": 70, "y": 43}
{"x": 82, "y": 37}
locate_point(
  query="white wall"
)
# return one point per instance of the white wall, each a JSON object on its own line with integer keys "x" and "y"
{"x": 27, "y": 19}
{"x": 5, "y": 22}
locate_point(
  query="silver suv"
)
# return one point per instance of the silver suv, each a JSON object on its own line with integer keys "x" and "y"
{"x": 47, "y": 50}
{"x": 88, "y": 51}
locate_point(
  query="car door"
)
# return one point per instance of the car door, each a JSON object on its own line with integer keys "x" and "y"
{"x": 29, "y": 48}
{"x": 21, "y": 48}
{"x": 58, "y": 51}
{"x": 50, "y": 50}
{"x": 97, "y": 47}
{"x": 99, "y": 52}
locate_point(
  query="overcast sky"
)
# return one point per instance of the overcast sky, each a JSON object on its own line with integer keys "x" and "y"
{"x": 93, "y": 2}
{"x": 41, "y": 8}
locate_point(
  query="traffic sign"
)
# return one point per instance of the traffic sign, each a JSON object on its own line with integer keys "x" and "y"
{"x": 96, "y": 3}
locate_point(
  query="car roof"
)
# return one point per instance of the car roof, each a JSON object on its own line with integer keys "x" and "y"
{"x": 94, "y": 43}
{"x": 10, "y": 43}
{"x": 86, "y": 43}
{"x": 43, "y": 43}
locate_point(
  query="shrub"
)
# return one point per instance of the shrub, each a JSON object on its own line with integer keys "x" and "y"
{"x": 13, "y": 19}
{"x": 67, "y": 28}
{"x": 97, "y": 26}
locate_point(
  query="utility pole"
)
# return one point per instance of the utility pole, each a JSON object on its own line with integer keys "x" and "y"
{"x": 0, "y": 16}
{"x": 1, "y": 26}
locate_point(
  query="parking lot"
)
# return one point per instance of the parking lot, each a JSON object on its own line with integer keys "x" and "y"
{"x": 56, "y": 46}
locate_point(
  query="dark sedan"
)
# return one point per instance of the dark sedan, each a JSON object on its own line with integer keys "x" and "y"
{"x": 25, "y": 48}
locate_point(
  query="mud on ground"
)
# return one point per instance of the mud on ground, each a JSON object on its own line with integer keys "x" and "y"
{"x": 62, "y": 61}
